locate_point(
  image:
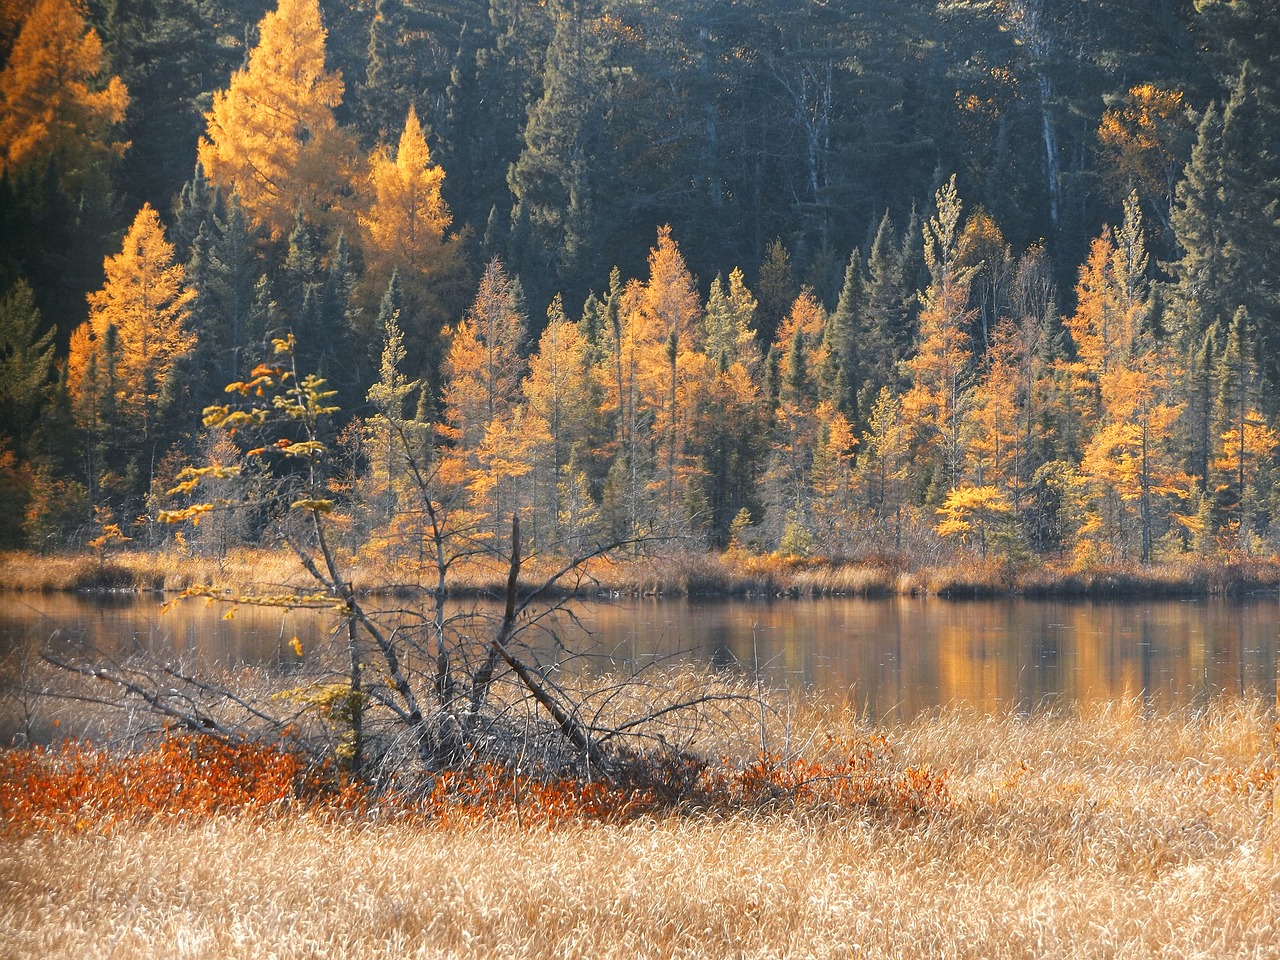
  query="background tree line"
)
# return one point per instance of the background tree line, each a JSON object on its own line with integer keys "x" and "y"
{"x": 999, "y": 271}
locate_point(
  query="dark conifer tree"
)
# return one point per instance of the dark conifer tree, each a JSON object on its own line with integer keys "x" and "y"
{"x": 775, "y": 290}
{"x": 389, "y": 82}
{"x": 556, "y": 179}
{"x": 886, "y": 333}
{"x": 496, "y": 78}
{"x": 26, "y": 368}
{"x": 170, "y": 54}
{"x": 844, "y": 351}
{"x": 197, "y": 206}
{"x": 235, "y": 273}
{"x": 1227, "y": 224}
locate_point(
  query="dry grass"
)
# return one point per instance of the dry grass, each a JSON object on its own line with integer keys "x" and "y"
{"x": 735, "y": 573}
{"x": 148, "y": 570}
{"x": 1105, "y": 835}
{"x": 1228, "y": 575}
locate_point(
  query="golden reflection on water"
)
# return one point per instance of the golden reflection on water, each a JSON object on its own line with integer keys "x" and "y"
{"x": 903, "y": 656}
{"x": 892, "y": 658}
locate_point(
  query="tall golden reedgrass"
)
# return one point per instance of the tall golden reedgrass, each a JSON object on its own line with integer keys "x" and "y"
{"x": 1107, "y": 834}
{"x": 158, "y": 570}
{"x": 676, "y": 573}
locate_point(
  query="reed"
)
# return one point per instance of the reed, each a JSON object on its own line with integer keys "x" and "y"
{"x": 157, "y": 570}
{"x": 675, "y": 573}
{"x": 1104, "y": 834}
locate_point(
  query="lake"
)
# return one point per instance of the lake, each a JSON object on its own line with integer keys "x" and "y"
{"x": 892, "y": 659}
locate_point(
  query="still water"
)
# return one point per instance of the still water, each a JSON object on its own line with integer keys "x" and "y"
{"x": 891, "y": 658}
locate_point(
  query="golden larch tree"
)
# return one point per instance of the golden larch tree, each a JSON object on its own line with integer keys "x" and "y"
{"x": 995, "y": 447}
{"x": 142, "y": 308}
{"x": 1112, "y": 306}
{"x": 405, "y": 224}
{"x": 972, "y": 513}
{"x": 271, "y": 135}
{"x": 55, "y": 103}
{"x": 1145, "y": 140}
{"x": 481, "y": 379}
{"x": 834, "y": 478}
{"x": 803, "y": 351}
{"x": 663, "y": 337}
{"x": 558, "y": 402}
{"x": 941, "y": 369}
{"x": 1129, "y": 478}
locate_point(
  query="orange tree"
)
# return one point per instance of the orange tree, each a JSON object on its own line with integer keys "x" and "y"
{"x": 57, "y": 105}
{"x": 271, "y": 134}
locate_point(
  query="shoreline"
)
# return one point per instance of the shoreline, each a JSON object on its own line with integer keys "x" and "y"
{"x": 685, "y": 575}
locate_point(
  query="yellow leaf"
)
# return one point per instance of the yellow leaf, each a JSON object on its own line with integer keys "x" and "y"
{"x": 322, "y": 506}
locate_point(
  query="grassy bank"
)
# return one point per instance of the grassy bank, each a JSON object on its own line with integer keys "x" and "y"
{"x": 674, "y": 574}
{"x": 1104, "y": 835}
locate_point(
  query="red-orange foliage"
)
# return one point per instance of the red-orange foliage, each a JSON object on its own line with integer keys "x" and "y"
{"x": 77, "y": 787}
{"x": 861, "y": 776}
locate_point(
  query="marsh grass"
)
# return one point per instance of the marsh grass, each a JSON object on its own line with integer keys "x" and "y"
{"x": 1104, "y": 834}
{"x": 671, "y": 573}
{"x": 159, "y": 570}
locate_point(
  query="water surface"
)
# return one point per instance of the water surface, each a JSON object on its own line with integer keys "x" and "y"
{"x": 891, "y": 658}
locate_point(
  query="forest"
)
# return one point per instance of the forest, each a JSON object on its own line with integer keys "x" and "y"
{"x": 858, "y": 279}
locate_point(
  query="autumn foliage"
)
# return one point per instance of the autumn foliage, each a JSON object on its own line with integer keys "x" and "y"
{"x": 137, "y": 327}
{"x": 272, "y": 134}
{"x": 1129, "y": 419}
{"x": 77, "y": 787}
{"x": 56, "y": 103}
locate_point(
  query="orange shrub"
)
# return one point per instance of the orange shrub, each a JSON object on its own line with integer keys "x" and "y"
{"x": 78, "y": 787}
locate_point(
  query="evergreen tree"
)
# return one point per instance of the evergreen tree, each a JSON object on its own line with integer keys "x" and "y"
{"x": 775, "y": 289}
{"x": 556, "y": 179}
{"x": 1227, "y": 222}
{"x": 168, "y": 53}
{"x": 496, "y": 78}
{"x": 886, "y": 332}
{"x": 730, "y": 443}
{"x": 197, "y": 206}
{"x": 845, "y": 375}
{"x": 299, "y": 280}
{"x": 1244, "y": 443}
{"x": 231, "y": 292}
{"x": 388, "y": 90}
{"x": 344, "y": 367}
{"x": 26, "y": 368}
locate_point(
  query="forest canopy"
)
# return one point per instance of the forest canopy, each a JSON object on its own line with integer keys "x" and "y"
{"x": 852, "y": 279}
